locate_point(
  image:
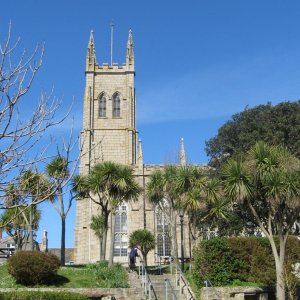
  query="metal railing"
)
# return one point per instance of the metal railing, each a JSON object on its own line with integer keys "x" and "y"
{"x": 216, "y": 292}
{"x": 169, "y": 291}
{"x": 181, "y": 281}
{"x": 146, "y": 282}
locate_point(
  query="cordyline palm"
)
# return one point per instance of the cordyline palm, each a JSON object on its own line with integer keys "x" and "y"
{"x": 15, "y": 220}
{"x": 98, "y": 225}
{"x": 108, "y": 185}
{"x": 268, "y": 180}
{"x": 199, "y": 196}
{"x": 58, "y": 173}
{"x": 35, "y": 187}
{"x": 161, "y": 192}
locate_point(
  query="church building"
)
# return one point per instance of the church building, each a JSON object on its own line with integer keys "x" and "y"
{"x": 110, "y": 134}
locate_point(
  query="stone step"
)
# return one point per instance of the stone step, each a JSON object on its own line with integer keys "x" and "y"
{"x": 159, "y": 285}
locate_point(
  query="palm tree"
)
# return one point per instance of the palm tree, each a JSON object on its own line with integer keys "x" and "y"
{"x": 58, "y": 172}
{"x": 144, "y": 240}
{"x": 108, "y": 185}
{"x": 98, "y": 226}
{"x": 199, "y": 196}
{"x": 268, "y": 180}
{"x": 14, "y": 221}
{"x": 161, "y": 191}
{"x": 36, "y": 188}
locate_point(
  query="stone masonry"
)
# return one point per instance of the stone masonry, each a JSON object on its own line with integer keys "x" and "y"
{"x": 109, "y": 138}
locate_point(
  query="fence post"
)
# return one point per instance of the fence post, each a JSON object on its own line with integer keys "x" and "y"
{"x": 166, "y": 290}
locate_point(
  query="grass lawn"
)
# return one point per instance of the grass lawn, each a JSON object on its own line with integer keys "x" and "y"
{"x": 84, "y": 276}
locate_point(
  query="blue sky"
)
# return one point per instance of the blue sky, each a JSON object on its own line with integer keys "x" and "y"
{"x": 197, "y": 63}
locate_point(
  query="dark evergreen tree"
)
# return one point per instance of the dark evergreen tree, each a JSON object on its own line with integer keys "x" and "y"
{"x": 279, "y": 124}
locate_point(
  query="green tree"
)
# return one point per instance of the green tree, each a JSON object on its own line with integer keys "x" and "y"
{"x": 14, "y": 221}
{"x": 279, "y": 124}
{"x": 58, "y": 172}
{"x": 200, "y": 198}
{"x": 144, "y": 240}
{"x": 268, "y": 181}
{"x": 161, "y": 192}
{"x": 98, "y": 226}
{"x": 184, "y": 189}
{"x": 34, "y": 188}
{"x": 108, "y": 185}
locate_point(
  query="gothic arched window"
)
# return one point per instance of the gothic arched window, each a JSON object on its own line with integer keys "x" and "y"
{"x": 163, "y": 242}
{"x": 102, "y": 106}
{"x": 116, "y": 106}
{"x": 121, "y": 233}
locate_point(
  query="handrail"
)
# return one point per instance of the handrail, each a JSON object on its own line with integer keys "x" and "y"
{"x": 217, "y": 293}
{"x": 146, "y": 282}
{"x": 168, "y": 283}
{"x": 183, "y": 284}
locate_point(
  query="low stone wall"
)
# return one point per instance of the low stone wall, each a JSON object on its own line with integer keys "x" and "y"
{"x": 236, "y": 293}
{"x": 103, "y": 294}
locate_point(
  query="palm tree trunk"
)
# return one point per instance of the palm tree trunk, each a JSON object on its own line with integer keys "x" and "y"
{"x": 112, "y": 238}
{"x": 280, "y": 282}
{"x": 30, "y": 229}
{"x": 173, "y": 227}
{"x": 145, "y": 258}
{"x": 104, "y": 238}
{"x": 101, "y": 248}
{"x": 63, "y": 241}
{"x": 104, "y": 242}
{"x": 279, "y": 258}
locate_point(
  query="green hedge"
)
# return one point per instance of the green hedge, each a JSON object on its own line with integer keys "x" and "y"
{"x": 41, "y": 296}
{"x": 225, "y": 261}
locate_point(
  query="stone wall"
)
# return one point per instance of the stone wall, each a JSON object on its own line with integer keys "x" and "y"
{"x": 104, "y": 294}
{"x": 237, "y": 293}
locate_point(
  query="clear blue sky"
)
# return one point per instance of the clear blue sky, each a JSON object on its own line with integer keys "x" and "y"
{"x": 197, "y": 63}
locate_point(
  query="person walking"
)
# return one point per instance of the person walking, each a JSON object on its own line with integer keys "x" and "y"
{"x": 132, "y": 257}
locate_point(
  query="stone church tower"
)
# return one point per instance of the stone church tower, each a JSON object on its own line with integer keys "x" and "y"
{"x": 109, "y": 134}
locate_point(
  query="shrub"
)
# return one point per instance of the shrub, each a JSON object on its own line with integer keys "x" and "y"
{"x": 33, "y": 267}
{"x": 144, "y": 240}
{"x": 42, "y": 296}
{"x": 226, "y": 261}
{"x": 214, "y": 261}
{"x": 254, "y": 253}
{"x": 110, "y": 277}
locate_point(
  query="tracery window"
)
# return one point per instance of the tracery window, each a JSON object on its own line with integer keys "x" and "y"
{"x": 116, "y": 106}
{"x": 163, "y": 242}
{"x": 102, "y": 106}
{"x": 121, "y": 233}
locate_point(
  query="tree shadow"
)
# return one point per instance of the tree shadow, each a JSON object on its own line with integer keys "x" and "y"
{"x": 60, "y": 280}
{"x": 158, "y": 270}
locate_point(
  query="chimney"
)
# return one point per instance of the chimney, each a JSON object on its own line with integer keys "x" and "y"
{"x": 44, "y": 246}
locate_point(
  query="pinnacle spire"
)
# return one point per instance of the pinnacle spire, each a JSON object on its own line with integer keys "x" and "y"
{"x": 182, "y": 153}
{"x": 91, "y": 55}
{"x": 130, "y": 52}
{"x": 140, "y": 153}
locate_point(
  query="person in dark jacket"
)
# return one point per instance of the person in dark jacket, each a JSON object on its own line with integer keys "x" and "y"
{"x": 132, "y": 256}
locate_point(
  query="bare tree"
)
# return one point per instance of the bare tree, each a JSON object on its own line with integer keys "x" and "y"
{"x": 19, "y": 134}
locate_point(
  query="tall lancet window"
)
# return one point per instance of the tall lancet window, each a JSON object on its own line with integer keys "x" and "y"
{"x": 116, "y": 106}
{"x": 163, "y": 242}
{"x": 102, "y": 106}
{"x": 121, "y": 234}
